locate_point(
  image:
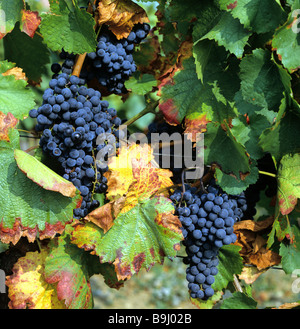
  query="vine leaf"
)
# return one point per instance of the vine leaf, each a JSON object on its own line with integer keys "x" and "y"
{"x": 42, "y": 175}
{"x": 30, "y": 22}
{"x": 26, "y": 208}
{"x": 133, "y": 175}
{"x": 27, "y": 287}
{"x": 120, "y": 16}
{"x": 237, "y": 163}
{"x": 260, "y": 17}
{"x": 286, "y": 42}
{"x": 230, "y": 263}
{"x": 290, "y": 252}
{"x": 239, "y": 300}
{"x": 230, "y": 33}
{"x": 139, "y": 237}
{"x": 15, "y": 96}
{"x": 6, "y": 123}
{"x": 75, "y": 27}
{"x": 288, "y": 183}
{"x": 71, "y": 268}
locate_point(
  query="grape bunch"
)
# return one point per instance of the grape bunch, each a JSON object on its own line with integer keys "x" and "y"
{"x": 76, "y": 125}
{"x": 112, "y": 63}
{"x": 207, "y": 225}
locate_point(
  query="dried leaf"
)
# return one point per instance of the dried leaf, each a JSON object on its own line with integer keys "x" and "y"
{"x": 121, "y": 16}
{"x": 253, "y": 244}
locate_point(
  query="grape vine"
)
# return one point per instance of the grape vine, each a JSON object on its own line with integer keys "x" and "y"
{"x": 215, "y": 82}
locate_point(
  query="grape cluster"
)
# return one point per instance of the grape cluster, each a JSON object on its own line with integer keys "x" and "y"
{"x": 207, "y": 225}
{"x": 76, "y": 125}
{"x": 112, "y": 63}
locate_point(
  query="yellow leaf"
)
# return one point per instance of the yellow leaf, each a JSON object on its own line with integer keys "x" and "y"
{"x": 27, "y": 288}
{"x": 132, "y": 174}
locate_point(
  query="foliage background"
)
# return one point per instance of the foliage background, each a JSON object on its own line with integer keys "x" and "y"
{"x": 163, "y": 286}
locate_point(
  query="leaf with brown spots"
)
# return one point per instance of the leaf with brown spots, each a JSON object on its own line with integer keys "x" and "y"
{"x": 139, "y": 237}
{"x": 120, "y": 16}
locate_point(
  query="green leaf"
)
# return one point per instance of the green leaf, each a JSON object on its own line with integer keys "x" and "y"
{"x": 31, "y": 54}
{"x": 239, "y": 301}
{"x": 290, "y": 253}
{"x": 261, "y": 80}
{"x": 75, "y": 30}
{"x": 26, "y": 208}
{"x": 185, "y": 95}
{"x": 71, "y": 268}
{"x": 138, "y": 239}
{"x": 286, "y": 42}
{"x": 230, "y": 33}
{"x": 247, "y": 132}
{"x": 288, "y": 182}
{"x": 15, "y": 96}
{"x": 11, "y": 13}
{"x": 87, "y": 236}
{"x": 42, "y": 175}
{"x": 283, "y": 137}
{"x": 234, "y": 186}
{"x": 256, "y": 15}
{"x": 230, "y": 263}
{"x": 141, "y": 85}
{"x": 217, "y": 140}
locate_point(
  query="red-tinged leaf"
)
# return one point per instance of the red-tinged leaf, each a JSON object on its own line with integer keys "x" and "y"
{"x": 196, "y": 124}
{"x": 167, "y": 106}
{"x": 70, "y": 268}
{"x": 6, "y": 123}
{"x": 30, "y": 22}
{"x": 42, "y": 175}
{"x": 27, "y": 209}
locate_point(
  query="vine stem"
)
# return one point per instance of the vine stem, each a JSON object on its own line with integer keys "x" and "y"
{"x": 267, "y": 173}
{"x": 150, "y": 108}
{"x": 237, "y": 284}
{"x": 78, "y": 65}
